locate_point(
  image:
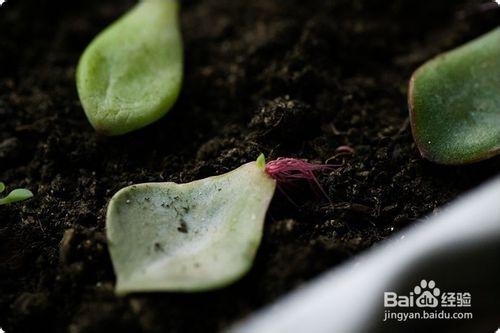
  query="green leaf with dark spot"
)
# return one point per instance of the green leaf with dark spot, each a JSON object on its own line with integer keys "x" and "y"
{"x": 454, "y": 103}
{"x": 131, "y": 74}
{"x": 188, "y": 237}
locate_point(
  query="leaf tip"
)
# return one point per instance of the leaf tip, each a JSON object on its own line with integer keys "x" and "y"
{"x": 261, "y": 162}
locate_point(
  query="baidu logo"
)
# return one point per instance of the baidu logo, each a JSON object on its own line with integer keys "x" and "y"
{"x": 427, "y": 301}
{"x": 427, "y": 295}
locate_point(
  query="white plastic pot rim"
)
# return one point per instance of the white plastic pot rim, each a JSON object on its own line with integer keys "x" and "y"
{"x": 458, "y": 249}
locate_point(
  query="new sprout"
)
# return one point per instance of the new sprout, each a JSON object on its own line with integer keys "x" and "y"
{"x": 14, "y": 196}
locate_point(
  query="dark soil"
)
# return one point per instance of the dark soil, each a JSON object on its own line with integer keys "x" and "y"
{"x": 285, "y": 77}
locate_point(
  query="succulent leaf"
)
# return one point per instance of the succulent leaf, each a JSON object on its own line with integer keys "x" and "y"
{"x": 454, "y": 103}
{"x": 188, "y": 237}
{"x": 131, "y": 73}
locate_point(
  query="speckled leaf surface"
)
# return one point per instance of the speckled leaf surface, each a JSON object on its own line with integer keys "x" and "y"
{"x": 131, "y": 73}
{"x": 454, "y": 103}
{"x": 188, "y": 237}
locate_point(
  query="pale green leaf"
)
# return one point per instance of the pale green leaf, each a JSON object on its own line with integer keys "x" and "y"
{"x": 16, "y": 196}
{"x": 131, "y": 74}
{"x": 188, "y": 237}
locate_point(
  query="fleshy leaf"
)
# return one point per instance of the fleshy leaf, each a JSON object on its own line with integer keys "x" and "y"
{"x": 131, "y": 74}
{"x": 2, "y": 187}
{"x": 16, "y": 196}
{"x": 454, "y": 103}
{"x": 261, "y": 162}
{"x": 188, "y": 237}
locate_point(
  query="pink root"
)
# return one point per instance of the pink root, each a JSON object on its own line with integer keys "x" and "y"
{"x": 345, "y": 149}
{"x": 287, "y": 171}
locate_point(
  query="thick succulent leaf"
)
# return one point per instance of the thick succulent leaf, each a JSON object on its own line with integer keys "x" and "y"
{"x": 16, "y": 196}
{"x": 188, "y": 237}
{"x": 131, "y": 74}
{"x": 454, "y": 103}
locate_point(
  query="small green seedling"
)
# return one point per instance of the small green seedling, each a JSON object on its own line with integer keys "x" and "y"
{"x": 14, "y": 196}
{"x": 454, "y": 103}
{"x": 131, "y": 74}
{"x": 196, "y": 236}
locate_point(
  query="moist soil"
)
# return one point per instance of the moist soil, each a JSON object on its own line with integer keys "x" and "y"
{"x": 287, "y": 78}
